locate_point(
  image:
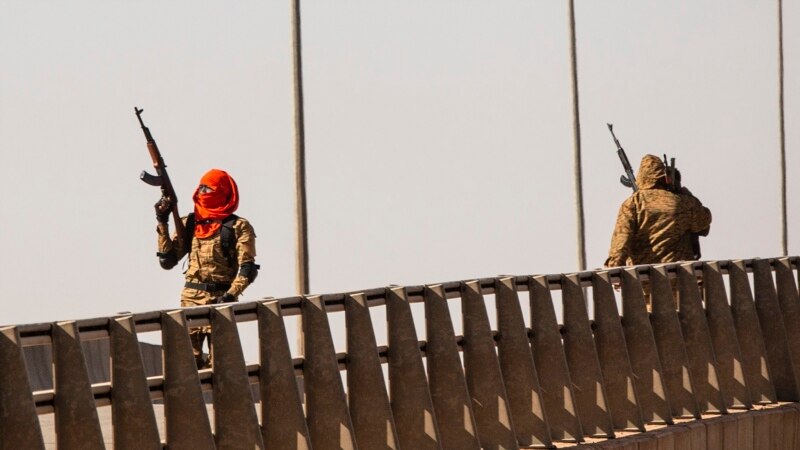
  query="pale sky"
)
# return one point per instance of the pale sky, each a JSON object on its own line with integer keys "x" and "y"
{"x": 439, "y": 136}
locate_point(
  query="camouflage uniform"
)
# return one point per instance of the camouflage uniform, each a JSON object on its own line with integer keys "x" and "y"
{"x": 654, "y": 225}
{"x": 207, "y": 264}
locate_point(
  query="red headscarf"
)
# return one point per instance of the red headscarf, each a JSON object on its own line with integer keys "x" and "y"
{"x": 211, "y": 207}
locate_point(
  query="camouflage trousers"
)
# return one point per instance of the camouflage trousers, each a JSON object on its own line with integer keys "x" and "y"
{"x": 648, "y": 298}
{"x": 200, "y": 335}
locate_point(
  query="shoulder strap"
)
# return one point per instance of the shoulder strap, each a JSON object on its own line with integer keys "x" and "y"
{"x": 188, "y": 229}
{"x": 228, "y": 237}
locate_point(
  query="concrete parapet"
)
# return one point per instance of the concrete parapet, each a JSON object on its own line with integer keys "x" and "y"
{"x": 701, "y": 366}
{"x": 774, "y": 427}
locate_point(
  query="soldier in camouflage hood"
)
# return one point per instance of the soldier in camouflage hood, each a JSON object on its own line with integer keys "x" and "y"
{"x": 221, "y": 248}
{"x": 654, "y": 225}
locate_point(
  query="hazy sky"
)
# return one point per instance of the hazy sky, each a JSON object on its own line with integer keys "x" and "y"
{"x": 439, "y": 136}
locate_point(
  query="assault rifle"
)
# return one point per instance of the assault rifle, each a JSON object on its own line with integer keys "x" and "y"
{"x": 673, "y": 179}
{"x": 162, "y": 178}
{"x": 673, "y": 176}
{"x": 627, "y": 180}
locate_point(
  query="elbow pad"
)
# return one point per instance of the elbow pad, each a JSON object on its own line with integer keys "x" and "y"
{"x": 167, "y": 260}
{"x": 249, "y": 270}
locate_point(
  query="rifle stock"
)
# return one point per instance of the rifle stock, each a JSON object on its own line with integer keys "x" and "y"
{"x": 161, "y": 178}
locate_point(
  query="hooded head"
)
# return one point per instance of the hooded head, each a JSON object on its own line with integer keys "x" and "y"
{"x": 215, "y": 198}
{"x": 651, "y": 172}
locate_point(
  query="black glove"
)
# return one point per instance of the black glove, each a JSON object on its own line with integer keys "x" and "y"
{"x": 163, "y": 207}
{"x": 224, "y": 298}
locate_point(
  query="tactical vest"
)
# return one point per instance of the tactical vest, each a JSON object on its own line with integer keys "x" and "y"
{"x": 227, "y": 236}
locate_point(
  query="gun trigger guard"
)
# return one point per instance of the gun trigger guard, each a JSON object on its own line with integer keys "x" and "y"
{"x": 625, "y": 181}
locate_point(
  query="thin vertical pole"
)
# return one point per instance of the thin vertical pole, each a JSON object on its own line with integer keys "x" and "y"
{"x": 576, "y": 129}
{"x": 301, "y": 280}
{"x": 784, "y": 224}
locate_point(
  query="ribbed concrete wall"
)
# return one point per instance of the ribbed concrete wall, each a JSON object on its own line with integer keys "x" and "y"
{"x": 97, "y": 352}
{"x": 715, "y": 340}
{"x": 769, "y": 428}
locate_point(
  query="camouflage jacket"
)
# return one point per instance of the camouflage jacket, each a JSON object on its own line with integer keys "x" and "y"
{"x": 206, "y": 261}
{"x": 654, "y": 225}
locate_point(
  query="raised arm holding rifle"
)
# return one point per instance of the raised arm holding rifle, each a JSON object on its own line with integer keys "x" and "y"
{"x": 168, "y": 204}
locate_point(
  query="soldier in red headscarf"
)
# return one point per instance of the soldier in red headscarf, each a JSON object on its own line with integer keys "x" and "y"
{"x": 221, "y": 248}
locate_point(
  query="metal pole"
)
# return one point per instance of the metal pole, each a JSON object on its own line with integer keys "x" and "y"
{"x": 784, "y": 221}
{"x": 301, "y": 223}
{"x": 576, "y": 129}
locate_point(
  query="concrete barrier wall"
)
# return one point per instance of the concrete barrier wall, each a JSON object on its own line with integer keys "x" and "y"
{"x": 665, "y": 353}
{"x": 768, "y": 428}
